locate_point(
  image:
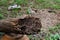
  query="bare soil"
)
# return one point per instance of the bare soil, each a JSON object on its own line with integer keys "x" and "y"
{"x": 48, "y": 17}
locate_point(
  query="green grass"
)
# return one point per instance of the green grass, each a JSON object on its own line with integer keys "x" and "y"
{"x": 3, "y": 2}
{"x": 1, "y": 16}
{"x": 55, "y": 29}
{"x": 39, "y": 4}
{"x": 53, "y": 37}
{"x": 21, "y": 2}
{"x": 36, "y": 3}
{"x": 55, "y": 4}
{"x": 53, "y": 34}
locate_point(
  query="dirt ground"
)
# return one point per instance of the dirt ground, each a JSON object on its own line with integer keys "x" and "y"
{"x": 48, "y": 17}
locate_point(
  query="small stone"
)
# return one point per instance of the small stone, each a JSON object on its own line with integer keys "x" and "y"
{"x": 14, "y": 6}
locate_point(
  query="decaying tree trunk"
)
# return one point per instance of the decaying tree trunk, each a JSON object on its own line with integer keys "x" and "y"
{"x": 26, "y": 25}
